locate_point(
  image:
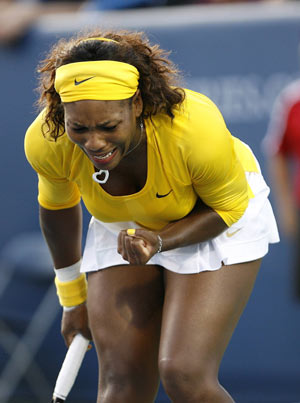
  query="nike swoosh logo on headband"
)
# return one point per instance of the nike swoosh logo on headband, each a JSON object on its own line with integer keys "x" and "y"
{"x": 82, "y": 81}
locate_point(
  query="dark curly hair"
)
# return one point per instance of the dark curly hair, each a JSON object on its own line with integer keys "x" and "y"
{"x": 157, "y": 82}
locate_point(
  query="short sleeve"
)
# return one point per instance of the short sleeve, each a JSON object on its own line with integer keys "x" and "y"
{"x": 217, "y": 174}
{"x": 51, "y": 160}
{"x": 55, "y": 195}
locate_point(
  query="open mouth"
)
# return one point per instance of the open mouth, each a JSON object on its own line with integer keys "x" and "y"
{"x": 102, "y": 157}
{"x": 105, "y": 158}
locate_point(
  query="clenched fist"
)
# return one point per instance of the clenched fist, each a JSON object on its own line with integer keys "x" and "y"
{"x": 138, "y": 246}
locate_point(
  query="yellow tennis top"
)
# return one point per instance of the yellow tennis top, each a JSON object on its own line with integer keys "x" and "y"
{"x": 194, "y": 155}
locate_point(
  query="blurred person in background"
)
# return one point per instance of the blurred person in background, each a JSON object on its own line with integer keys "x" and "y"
{"x": 17, "y": 17}
{"x": 170, "y": 191}
{"x": 282, "y": 148}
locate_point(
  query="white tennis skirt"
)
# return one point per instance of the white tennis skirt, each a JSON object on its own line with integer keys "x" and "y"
{"x": 246, "y": 240}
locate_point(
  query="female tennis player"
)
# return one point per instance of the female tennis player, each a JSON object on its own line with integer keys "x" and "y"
{"x": 180, "y": 216}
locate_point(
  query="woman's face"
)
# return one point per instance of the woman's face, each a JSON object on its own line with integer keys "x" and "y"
{"x": 105, "y": 130}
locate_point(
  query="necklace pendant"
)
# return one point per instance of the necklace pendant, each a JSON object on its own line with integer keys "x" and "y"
{"x": 100, "y": 173}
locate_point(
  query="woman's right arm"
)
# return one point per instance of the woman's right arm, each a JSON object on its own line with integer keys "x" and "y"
{"x": 62, "y": 230}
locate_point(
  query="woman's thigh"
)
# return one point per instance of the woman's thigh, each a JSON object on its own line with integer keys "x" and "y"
{"x": 200, "y": 314}
{"x": 124, "y": 308}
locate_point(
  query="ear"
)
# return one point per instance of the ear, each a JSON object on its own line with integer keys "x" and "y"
{"x": 138, "y": 103}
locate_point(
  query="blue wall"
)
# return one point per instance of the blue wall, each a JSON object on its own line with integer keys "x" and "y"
{"x": 242, "y": 67}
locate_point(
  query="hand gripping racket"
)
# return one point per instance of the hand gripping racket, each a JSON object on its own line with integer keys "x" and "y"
{"x": 70, "y": 368}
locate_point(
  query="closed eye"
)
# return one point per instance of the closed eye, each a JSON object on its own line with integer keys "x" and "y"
{"x": 108, "y": 128}
{"x": 83, "y": 129}
{"x": 79, "y": 129}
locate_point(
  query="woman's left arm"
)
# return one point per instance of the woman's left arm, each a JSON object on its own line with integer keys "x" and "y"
{"x": 200, "y": 225}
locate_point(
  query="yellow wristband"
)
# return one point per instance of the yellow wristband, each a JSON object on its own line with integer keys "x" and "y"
{"x": 73, "y": 292}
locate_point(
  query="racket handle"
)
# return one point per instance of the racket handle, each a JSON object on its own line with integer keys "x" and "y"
{"x": 70, "y": 367}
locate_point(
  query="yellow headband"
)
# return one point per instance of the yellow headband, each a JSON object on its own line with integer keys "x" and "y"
{"x": 98, "y": 38}
{"x": 101, "y": 80}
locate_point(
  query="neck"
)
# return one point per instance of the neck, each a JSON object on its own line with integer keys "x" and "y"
{"x": 141, "y": 138}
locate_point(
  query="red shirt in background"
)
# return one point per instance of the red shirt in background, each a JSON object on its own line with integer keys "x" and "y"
{"x": 283, "y": 134}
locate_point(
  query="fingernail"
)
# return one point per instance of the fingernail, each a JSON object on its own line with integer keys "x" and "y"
{"x": 131, "y": 231}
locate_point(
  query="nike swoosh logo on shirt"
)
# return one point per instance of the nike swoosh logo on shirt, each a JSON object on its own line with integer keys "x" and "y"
{"x": 82, "y": 81}
{"x": 160, "y": 196}
{"x": 230, "y": 234}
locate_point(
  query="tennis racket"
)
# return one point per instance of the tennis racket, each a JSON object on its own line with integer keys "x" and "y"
{"x": 70, "y": 368}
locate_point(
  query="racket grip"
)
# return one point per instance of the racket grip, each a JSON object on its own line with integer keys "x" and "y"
{"x": 70, "y": 367}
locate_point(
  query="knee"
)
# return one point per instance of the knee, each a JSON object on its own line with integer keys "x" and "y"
{"x": 120, "y": 385}
{"x": 187, "y": 381}
{"x": 116, "y": 383}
